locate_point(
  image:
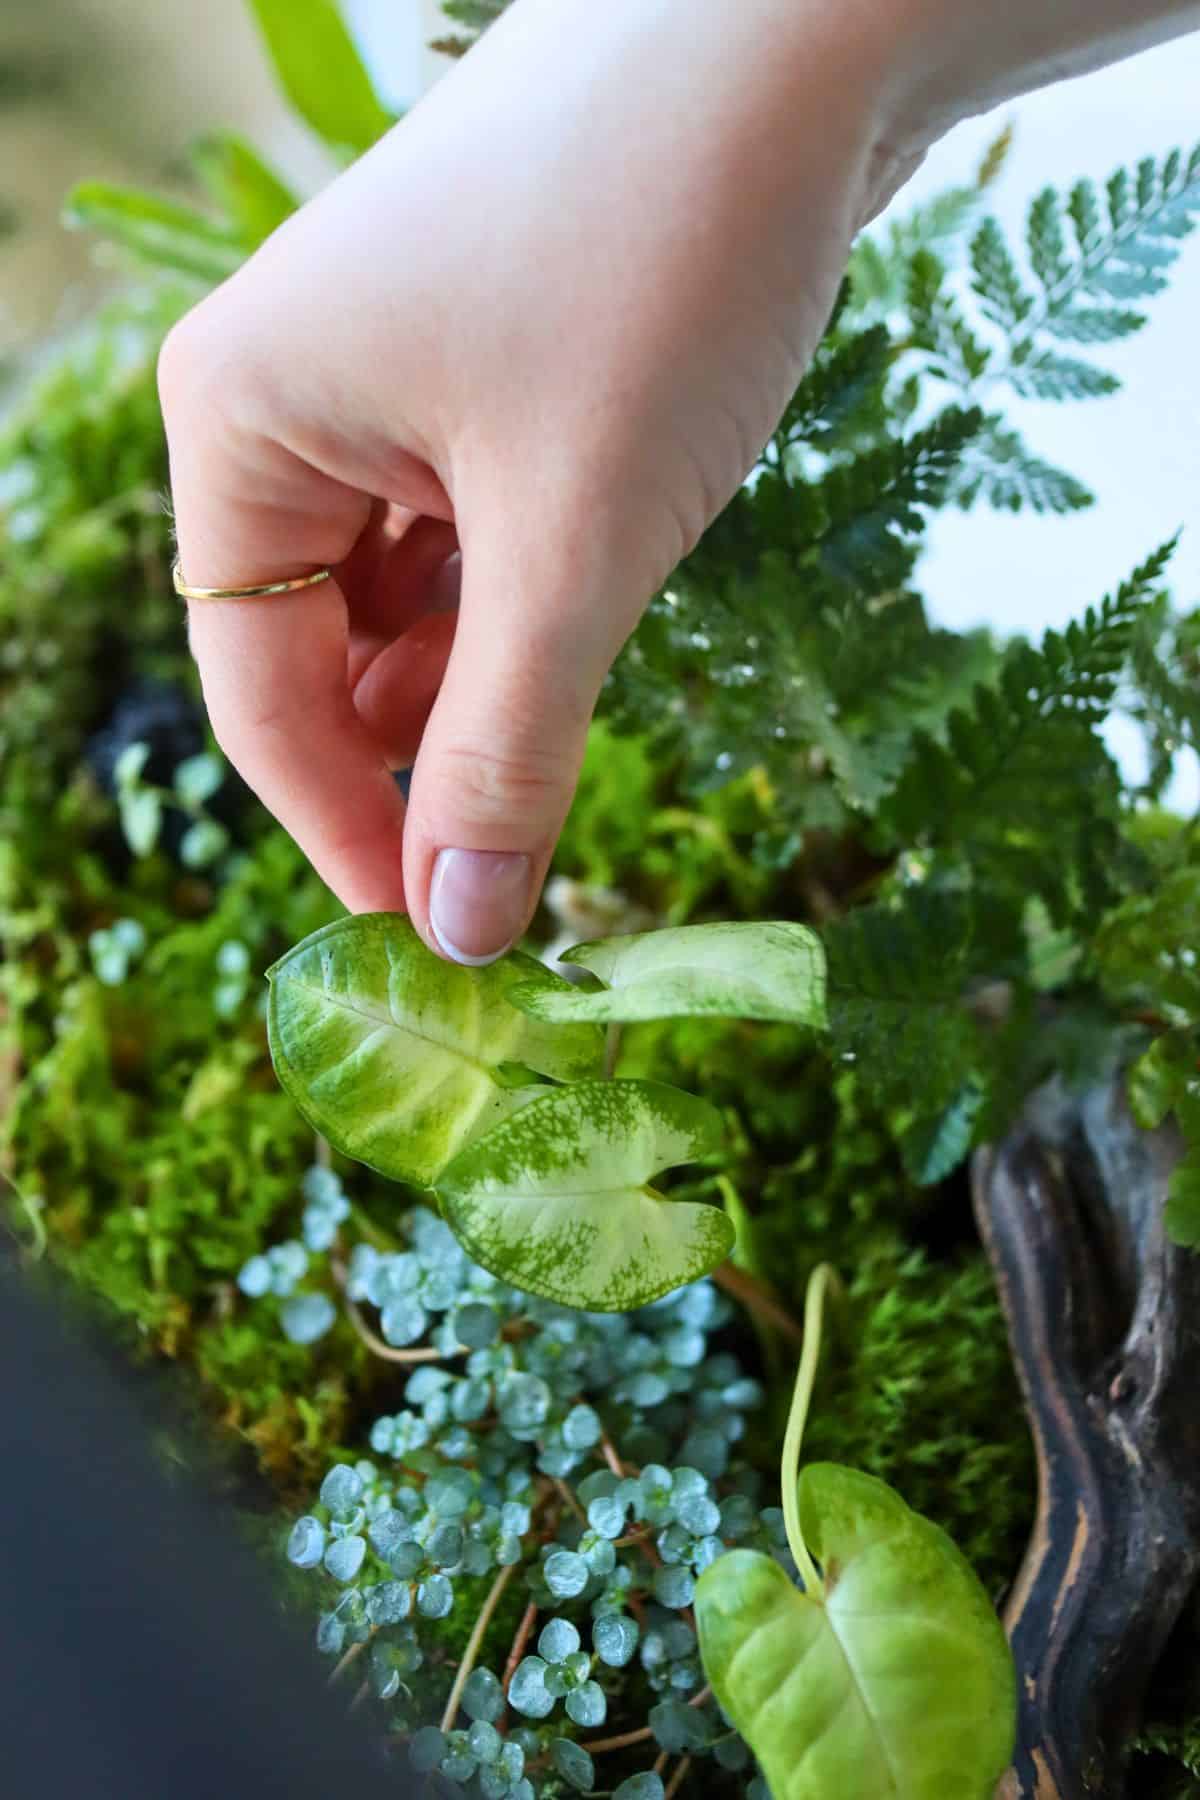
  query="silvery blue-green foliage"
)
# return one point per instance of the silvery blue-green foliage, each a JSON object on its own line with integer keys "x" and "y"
{"x": 497, "y": 1457}
{"x": 143, "y": 805}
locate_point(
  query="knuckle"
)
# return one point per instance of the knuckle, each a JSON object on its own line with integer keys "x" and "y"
{"x": 481, "y": 783}
{"x": 207, "y": 371}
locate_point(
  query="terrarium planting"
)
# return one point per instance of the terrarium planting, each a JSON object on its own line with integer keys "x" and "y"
{"x": 502, "y": 1282}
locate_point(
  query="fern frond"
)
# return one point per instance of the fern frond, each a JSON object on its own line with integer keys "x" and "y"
{"x": 1019, "y": 780}
{"x": 996, "y": 280}
{"x": 873, "y": 502}
{"x": 1090, "y": 258}
{"x": 845, "y": 377}
{"x": 998, "y": 467}
{"x": 938, "y": 325}
{"x": 1045, "y": 375}
{"x": 896, "y": 975}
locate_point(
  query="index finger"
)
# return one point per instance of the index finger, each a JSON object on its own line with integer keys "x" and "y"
{"x": 274, "y": 675}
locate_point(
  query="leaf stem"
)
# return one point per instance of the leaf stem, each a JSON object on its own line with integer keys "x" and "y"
{"x": 612, "y": 1049}
{"x": 823, "y": 1277}
{"x": 678, "y": 1778}
{"x": 377, "y": 1346}
{"x": 597, "y": 1746}
{"x": 474, "y": 1642}
{"x": 608, "y": 1451}
{"x": 351, "y": 1656}
{"x": 524, "y": 1632}
{"x": 756, "y": 1298}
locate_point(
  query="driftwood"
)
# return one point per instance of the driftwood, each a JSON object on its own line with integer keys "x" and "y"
{"x": 1104, "y": 1320}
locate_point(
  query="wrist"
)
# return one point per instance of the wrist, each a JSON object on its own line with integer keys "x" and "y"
{"x": 952, "y": 59}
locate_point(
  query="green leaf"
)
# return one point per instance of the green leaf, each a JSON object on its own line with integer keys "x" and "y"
{"x": 900, "y": 1686}
{"x": 141, "y": 817}
{"x": 127, "y": 769}
{"x": 1001, "y": 468}
{"x": 202, "y": 844}
{"x": 249, "y": 192}
{"x": 933, "y": 1147}
{"x": 555, "y": 1199}
{"x": 197, "y": 778}
{"x": 1159, "y": 1077}
{"x": 1183, "y": 1202}
{"x": 162, "y": 232}
{"x": 995, "y": 279}
{"x": 321, "y": 72}
{"x": 772, "y": 970}
{"x": 1047, "y": 376}
{"x": 396, "y": 1056}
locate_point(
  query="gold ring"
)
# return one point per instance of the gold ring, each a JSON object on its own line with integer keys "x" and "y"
{"x": 261, "y": 592}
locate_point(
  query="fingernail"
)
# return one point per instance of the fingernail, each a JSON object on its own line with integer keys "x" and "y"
{"x": 477, "y": 903}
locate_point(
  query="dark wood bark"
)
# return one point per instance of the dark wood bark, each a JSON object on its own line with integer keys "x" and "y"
{"x": 1104, "y": 1320}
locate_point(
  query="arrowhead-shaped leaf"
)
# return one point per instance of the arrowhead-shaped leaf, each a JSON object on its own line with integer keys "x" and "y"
{"x": 399, "y": 1058}
{"x": 555, "y": 1200}
{"x": 898, "y": 1685}
{"x": 771, "y": 970}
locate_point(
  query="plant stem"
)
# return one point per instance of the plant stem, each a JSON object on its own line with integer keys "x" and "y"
{"x": 819, "y": 1282}
{"x": 375, "y": 1344}
{"x": 612, "y": 1049}
{"x": 757, "y": 1298}
{"x": 609, "y": 1453}
{"x": 597, "y": 1746}
{"x": 378, "y": 1348}
{"x": 344, "y": 1663}
{"x": 524, "y": 1632}
{"x": 678, "y": 1778}
{"x": 471, "y": 1653}
{"x": 568, "y": 1499}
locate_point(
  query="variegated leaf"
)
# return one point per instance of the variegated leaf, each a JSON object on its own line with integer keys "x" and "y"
{"x": 767, "y": 970}
{"x": 897, "y": 1684}
{"x": 556, "y": 1199}
{"x": 399, "y": 1058}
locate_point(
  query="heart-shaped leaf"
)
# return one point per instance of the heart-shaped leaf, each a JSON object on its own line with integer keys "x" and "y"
{"x": 555, "y": 1201}
{"x": 772, "y": 970}
{"x": 399, "y": 1058}
{"x": 896, "y": 1685}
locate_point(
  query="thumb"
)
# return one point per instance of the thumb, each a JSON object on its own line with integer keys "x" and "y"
{"x": 500, "y": 756}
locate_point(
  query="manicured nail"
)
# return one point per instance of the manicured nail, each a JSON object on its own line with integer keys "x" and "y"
{"x": 477, "y": 903}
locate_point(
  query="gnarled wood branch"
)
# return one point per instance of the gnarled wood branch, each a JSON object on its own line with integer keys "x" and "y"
{"x": 1104, "y": 1320}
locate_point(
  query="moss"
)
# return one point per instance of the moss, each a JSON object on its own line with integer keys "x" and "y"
{"x": 147, "y": 1139}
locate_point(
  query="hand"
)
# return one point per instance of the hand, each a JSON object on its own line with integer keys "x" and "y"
{"x": 500, "y": 376}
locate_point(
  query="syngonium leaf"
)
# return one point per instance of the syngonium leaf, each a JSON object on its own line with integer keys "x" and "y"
{"x": 898, "y": 1685}
{"x": 555, "y": 1200}
{"x": 399, "y": 1058}
{"x": 772, "y": 970}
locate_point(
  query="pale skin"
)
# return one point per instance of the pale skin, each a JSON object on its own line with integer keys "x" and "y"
{"x": 502, "y": 374}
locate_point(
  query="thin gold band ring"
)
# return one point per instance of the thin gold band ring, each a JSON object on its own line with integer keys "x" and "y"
{"x": 262, "y": 591}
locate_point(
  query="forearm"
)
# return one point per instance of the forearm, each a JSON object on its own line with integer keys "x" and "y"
{"x": 956, "y": 58}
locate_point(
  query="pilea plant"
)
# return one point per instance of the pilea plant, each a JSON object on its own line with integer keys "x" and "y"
{"x": 486, "y": 1087}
